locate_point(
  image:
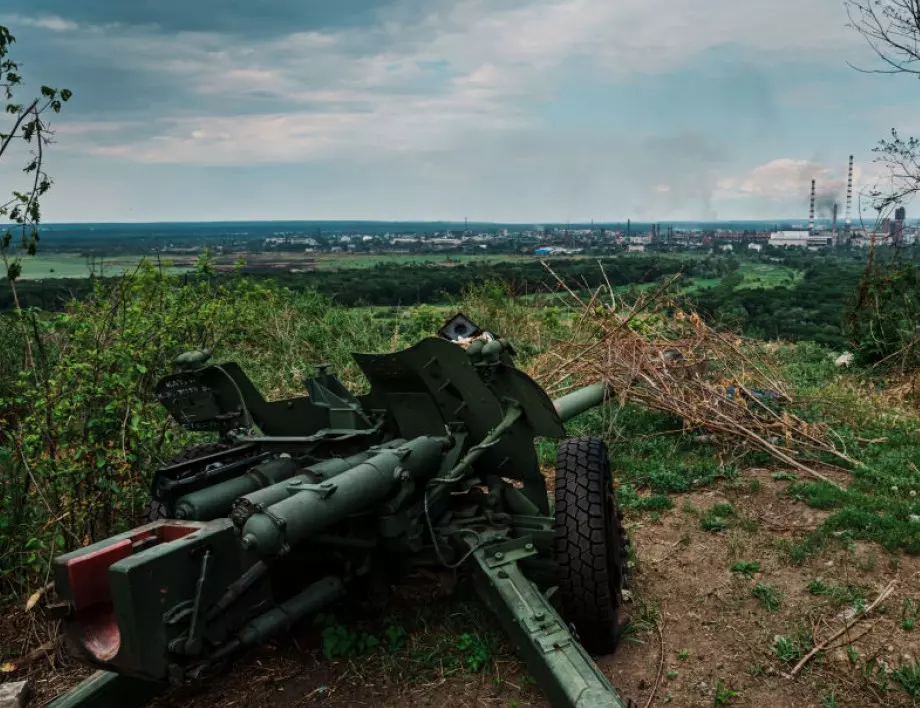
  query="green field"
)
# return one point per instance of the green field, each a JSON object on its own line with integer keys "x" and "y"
{"x": 766, "y": 275}
{"x": 370, "y": 260}
{"x": 74, "y": 265}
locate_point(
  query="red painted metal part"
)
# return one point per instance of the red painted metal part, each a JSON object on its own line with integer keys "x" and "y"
{"x": 92, "y": 596}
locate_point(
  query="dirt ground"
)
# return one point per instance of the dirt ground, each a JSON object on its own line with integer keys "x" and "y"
{"x": 700, "y": 637}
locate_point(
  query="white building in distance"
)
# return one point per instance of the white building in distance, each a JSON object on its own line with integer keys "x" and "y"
{"x": 801, "y": 239}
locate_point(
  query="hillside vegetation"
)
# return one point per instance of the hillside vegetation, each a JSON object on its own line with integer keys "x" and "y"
{"x": 774, "y": 555}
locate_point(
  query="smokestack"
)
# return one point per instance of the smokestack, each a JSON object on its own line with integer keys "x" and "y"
{"x": 811, "y": 213}
{"x": 846, "y": 220}
{"x": 834, "y": 225}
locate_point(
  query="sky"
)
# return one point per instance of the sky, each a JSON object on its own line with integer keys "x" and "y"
{"x": 492, "y": 110}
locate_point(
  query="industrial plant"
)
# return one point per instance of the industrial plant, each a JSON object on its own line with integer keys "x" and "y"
{"x": 888, "y": 232}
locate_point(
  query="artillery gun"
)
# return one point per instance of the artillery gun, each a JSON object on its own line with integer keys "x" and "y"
{"x": 301, "y": 501}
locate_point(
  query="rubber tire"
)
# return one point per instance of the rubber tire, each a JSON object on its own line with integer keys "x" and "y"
{"x": 591, "y": 545}
{"x": 156, "y": 509}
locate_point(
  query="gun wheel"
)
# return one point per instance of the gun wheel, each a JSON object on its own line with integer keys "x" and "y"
{"x": 160, "y": 510}
{"x": 591, "y": 545}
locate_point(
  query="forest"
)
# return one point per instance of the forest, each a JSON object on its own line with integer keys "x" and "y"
{"x": 807, "y": 307}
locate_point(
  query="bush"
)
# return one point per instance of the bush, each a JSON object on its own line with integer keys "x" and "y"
{"x": 81, "y": 432}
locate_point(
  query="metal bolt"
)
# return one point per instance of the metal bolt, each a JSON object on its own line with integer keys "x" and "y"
{"x": 528, "y": 547}
{"x": 539, "y": 617}
{"x": 498, "y": 555}
{"x": 502, "y": 575}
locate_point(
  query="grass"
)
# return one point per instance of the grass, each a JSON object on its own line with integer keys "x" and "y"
{"x": 369, "y": 260}
{"x": 838, "y": 594}
{"x": 746, "y": 568}
{"x": 908, "y": 676}
{"x": 654, "y": 459}
{"x": 768, "y": 275}
{"x": 67, "y": 265}
{"x": 769, "y": 597}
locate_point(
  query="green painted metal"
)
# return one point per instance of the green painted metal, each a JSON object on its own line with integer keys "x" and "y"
{"x": 565, "y": 672}
{"x": 581, "y": 400}
{"x": 285, "y": 615}
{"x": 305, "y": 496}
{"x": 106, "y": 689}
{"x": 248, "y": 504}
{"x": 318, "y": 506}
{"x": 211, "y": 502}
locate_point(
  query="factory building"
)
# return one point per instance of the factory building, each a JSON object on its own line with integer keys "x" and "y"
{"x": 801, "y": 239}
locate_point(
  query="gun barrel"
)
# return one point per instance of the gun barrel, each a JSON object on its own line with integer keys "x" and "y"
{"x": 580, "y": 400}
{"x": 308, "y": 512}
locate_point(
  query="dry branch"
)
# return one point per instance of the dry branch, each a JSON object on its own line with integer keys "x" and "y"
{"x": 846, "y": 627}
{"x": 665, "y": 358}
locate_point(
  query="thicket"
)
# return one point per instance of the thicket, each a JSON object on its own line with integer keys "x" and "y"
{"x": 811, "y": 308}
{"x": 408, "y": 284}
{"x": 81, "y": 432}
{"x": 883, "y": 319}
{"x": 79, "y": 429}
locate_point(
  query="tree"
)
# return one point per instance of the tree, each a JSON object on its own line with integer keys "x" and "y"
{"x": 892, "y": 29}
{"x": 29, "y": 125}
{"x": 30, "y": 129}
{"x": 881, "y": 321}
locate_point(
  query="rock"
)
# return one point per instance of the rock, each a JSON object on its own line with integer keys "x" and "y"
{"x": 844, "y": 359}
{"x": 14, "y": 695}
{"x": 914, "y": 518}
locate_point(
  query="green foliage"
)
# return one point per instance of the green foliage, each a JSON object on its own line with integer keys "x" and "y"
{"x": 747, "y": 568}
{"x": 790, "y": 649}
{"x": 784, "y": 476}
{"x": 819, "y": 495}
{"x": 881, "y": 323}
{"x": 723, "y": 694}
{"x": 910, "y": 613}
{"x": 908, "y": 676}
{"x": 629, "y": 498}
{"x": 769, "y": 597}
{"x": 30, "y": 132}
{"x": 838, "y": 594}
{"x": 341, "y": 641}
{"x": 80, "y": 431}
{"x": 474, "y": 651}
{"x": 715, "y": 519}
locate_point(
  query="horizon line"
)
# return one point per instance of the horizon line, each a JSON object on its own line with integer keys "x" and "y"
{"x": 432, "y": 221}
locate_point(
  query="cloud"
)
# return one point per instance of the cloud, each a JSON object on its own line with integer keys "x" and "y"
{"x": 494, "y": 101}
{"x": 385, "y": 87}
{"x": 54, "y": 23}
{"x": 787, "y": 181}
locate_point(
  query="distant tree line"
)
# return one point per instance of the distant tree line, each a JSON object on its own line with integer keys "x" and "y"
{"x": 811, "y": 308}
